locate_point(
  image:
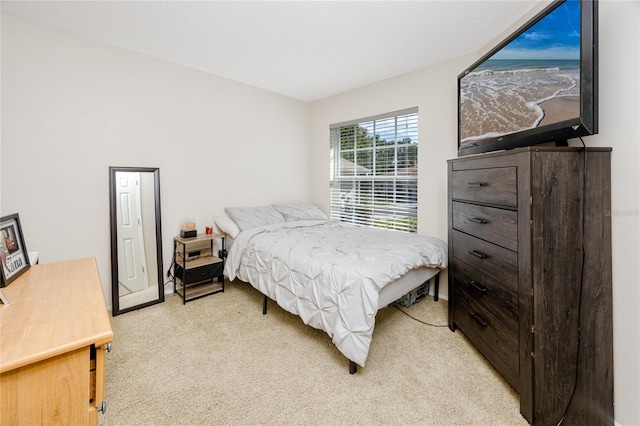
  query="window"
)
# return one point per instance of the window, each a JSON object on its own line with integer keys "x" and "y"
{"x": 374, "y": 171}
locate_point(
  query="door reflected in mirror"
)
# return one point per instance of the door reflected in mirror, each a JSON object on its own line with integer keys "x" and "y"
{"x": 136, "y": 240}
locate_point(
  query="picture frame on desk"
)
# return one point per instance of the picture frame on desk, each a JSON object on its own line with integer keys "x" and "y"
{"x": 13, "y": 251}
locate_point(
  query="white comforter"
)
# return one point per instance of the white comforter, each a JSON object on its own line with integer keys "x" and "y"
{"x": 330, "y": 273}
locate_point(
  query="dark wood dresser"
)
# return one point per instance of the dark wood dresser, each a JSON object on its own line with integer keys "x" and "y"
{"x": 524, "y": 286}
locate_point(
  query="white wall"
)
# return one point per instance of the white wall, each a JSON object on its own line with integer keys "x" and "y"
{"x": 433, "y": 90}
{"x": 72, "y": 107}
{"x": 620, "y": 129}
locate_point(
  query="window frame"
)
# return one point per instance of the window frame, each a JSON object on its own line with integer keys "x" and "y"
{"x": 363, "y": 195}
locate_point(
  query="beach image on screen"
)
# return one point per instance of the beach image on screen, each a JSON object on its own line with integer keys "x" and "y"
{"x": 532, "y": 81}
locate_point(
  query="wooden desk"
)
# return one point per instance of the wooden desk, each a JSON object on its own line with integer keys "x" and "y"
{"x": 53, "y": 334}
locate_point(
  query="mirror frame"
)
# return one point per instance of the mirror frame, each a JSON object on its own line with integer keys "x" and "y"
{"x": 115, "y": 297}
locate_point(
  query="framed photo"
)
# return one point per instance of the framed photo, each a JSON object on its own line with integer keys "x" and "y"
{"x": 15, "y": 258}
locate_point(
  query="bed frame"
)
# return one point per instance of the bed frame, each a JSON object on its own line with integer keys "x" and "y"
{"x": 353, "y": 367}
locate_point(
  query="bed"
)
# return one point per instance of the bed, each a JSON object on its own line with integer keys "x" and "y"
{"x": 335, "y": 276}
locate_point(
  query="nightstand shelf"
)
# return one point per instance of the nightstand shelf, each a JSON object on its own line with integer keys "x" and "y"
{"x": 197, "y": 271}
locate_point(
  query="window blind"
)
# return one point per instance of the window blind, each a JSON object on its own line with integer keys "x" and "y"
{"x": 374, "y": 171}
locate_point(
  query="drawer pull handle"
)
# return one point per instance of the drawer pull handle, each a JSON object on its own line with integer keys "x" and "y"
{"x": 476, "y": 184}
{"x": 478, "y": 220}
{"x": 477, "y": 286}
{"x": 478, "y": 254}
{"x": 478, "y": 319}
{"x": 102, "y": 408}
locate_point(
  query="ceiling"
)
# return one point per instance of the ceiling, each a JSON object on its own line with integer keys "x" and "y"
{"x": 306, "y": 50}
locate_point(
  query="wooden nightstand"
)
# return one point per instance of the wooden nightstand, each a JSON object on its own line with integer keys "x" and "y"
{"x": 197, "y": 271}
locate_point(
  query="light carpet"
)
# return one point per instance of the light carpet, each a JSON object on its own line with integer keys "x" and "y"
{"x": 219, "y": 361}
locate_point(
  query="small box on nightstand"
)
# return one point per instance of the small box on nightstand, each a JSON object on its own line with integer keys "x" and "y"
{"x": 188, "y": 233}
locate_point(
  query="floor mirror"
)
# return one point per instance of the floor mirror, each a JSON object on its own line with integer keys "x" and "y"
{"x": 136, "y": 238}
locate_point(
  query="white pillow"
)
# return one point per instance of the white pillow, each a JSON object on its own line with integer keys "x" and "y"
{"x": 293, "y": 212}
{"x": 227, "y": 225}
{"x": 252, "y": 217}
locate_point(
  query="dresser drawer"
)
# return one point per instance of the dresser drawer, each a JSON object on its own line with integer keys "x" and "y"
{"x": 494, "y": 186}
{"x": 492, "y": 224}
{"x": 476, "y": 322}
{"x": 500, "y": 299}
{"x": 497, "y": 262}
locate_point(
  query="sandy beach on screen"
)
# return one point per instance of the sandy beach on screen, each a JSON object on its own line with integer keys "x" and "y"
{"x": 560, "y": 109}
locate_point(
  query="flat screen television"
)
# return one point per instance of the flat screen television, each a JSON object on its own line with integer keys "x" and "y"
{"x": 540, "y": 85}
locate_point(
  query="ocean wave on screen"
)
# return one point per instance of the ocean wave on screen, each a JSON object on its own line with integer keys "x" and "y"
{"x": 499, "y": 102}
{"x": 484, "y": 73}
